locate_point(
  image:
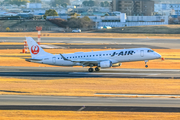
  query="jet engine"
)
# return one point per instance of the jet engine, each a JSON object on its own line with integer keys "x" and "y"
{"x": 105, "y": 64}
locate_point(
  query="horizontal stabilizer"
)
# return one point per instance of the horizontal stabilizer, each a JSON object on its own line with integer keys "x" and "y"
{"x": 29, "y": 60}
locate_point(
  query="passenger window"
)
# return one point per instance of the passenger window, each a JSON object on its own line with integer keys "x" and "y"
{"x": 107, "y": 54}
{"x": 99, "y": 54}
{"x": 96, "y": 55}
{"x": 103, "y": 54}
{"x": 93, "y": 55}
{"x": 90, "y": 56}
{"x": 76, "y": 57}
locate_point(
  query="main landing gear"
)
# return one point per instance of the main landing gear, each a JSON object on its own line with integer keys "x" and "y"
{"x": 146, "y": 63}
{"x": 90, "y": 69}
{"x": 96, "y": 69}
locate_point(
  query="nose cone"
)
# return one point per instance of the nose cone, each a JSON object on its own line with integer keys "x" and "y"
{"x": 158, "y": 55}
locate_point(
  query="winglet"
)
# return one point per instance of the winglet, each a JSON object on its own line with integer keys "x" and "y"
{"x": 64, "y": 58}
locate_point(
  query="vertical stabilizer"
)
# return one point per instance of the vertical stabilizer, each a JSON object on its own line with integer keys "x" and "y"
{"x": 35, "y": 49}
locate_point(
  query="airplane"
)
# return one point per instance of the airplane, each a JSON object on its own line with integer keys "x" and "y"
{"x": 97, "y": 59}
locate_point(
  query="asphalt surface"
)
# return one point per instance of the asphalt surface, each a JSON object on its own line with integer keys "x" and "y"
{"x": 17, "y": 102}
{"x": 163, "y": 43}
{"x": 74, "y": 72}
{"x": 90, "y": 108}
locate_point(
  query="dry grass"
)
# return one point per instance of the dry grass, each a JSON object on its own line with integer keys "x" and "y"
{"x": 152, "y": 30}
{"x": 71, "y": 115}
{"x": 88, "y": 86}
{"x": 166, "y": 53}
{"x": 90, "y": 35}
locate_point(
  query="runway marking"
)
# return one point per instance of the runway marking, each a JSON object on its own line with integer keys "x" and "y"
{"x": 153, "y": 74}
{"x": 140, "y": 70}
{"x": 81, "y": 108}
{"x": 114, "y": 73}
{"x": 51, "y": 46}
{"x": 155, "y": 95}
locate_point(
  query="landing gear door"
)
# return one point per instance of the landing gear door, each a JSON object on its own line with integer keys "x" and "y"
{"x": 142, "y": 53}
{"x": 54, "y": 60}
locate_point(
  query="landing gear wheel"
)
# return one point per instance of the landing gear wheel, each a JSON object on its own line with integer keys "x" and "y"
{"x": 90, "y": 69}
{"x": 97, "y": 69}
{"x": 146, "y": 63}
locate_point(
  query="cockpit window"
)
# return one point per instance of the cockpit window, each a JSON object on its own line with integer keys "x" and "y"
{"x": 150, "y": 51}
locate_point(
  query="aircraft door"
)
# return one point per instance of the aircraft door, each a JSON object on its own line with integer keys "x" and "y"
{"x": 54, "y": 60}
{"x": 142, "y": 53}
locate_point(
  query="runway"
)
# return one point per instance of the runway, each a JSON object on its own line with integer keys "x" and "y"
{"x": 17, "y": 102}
{"x": 98, "y": 46}
{"x": 78, "y": 72}
{"x": 163, "y": 43}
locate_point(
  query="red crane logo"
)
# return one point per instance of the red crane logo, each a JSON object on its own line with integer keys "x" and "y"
{"x": 35, "y": 49}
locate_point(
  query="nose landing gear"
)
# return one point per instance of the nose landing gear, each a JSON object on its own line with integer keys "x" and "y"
{"x": 146, "y": 63}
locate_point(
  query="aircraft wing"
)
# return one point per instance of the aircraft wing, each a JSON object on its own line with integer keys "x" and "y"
{"x": 83, "y": 61}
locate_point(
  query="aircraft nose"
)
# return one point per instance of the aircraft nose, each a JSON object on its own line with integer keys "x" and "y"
{"x": 158, "y": 55}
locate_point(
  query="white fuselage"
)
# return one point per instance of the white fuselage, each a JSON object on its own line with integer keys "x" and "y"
{"x": 115, "y": 56}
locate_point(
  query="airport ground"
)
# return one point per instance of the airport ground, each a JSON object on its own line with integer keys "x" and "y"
{"x": 159, "y": 83}
{"x": 83, "y": 115}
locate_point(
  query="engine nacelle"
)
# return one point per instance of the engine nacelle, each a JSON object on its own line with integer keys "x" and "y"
{"x": 116, "y": 65}
{"x": 105, "y": 64}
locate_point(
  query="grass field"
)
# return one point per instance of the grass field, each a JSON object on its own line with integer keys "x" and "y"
{"x": 151, "y": 29}
{"x": 13, "y": 57}
{"x": 64, "y": 115}
{"x": 157, "y": 31}
{"x": 88, "y": 86}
